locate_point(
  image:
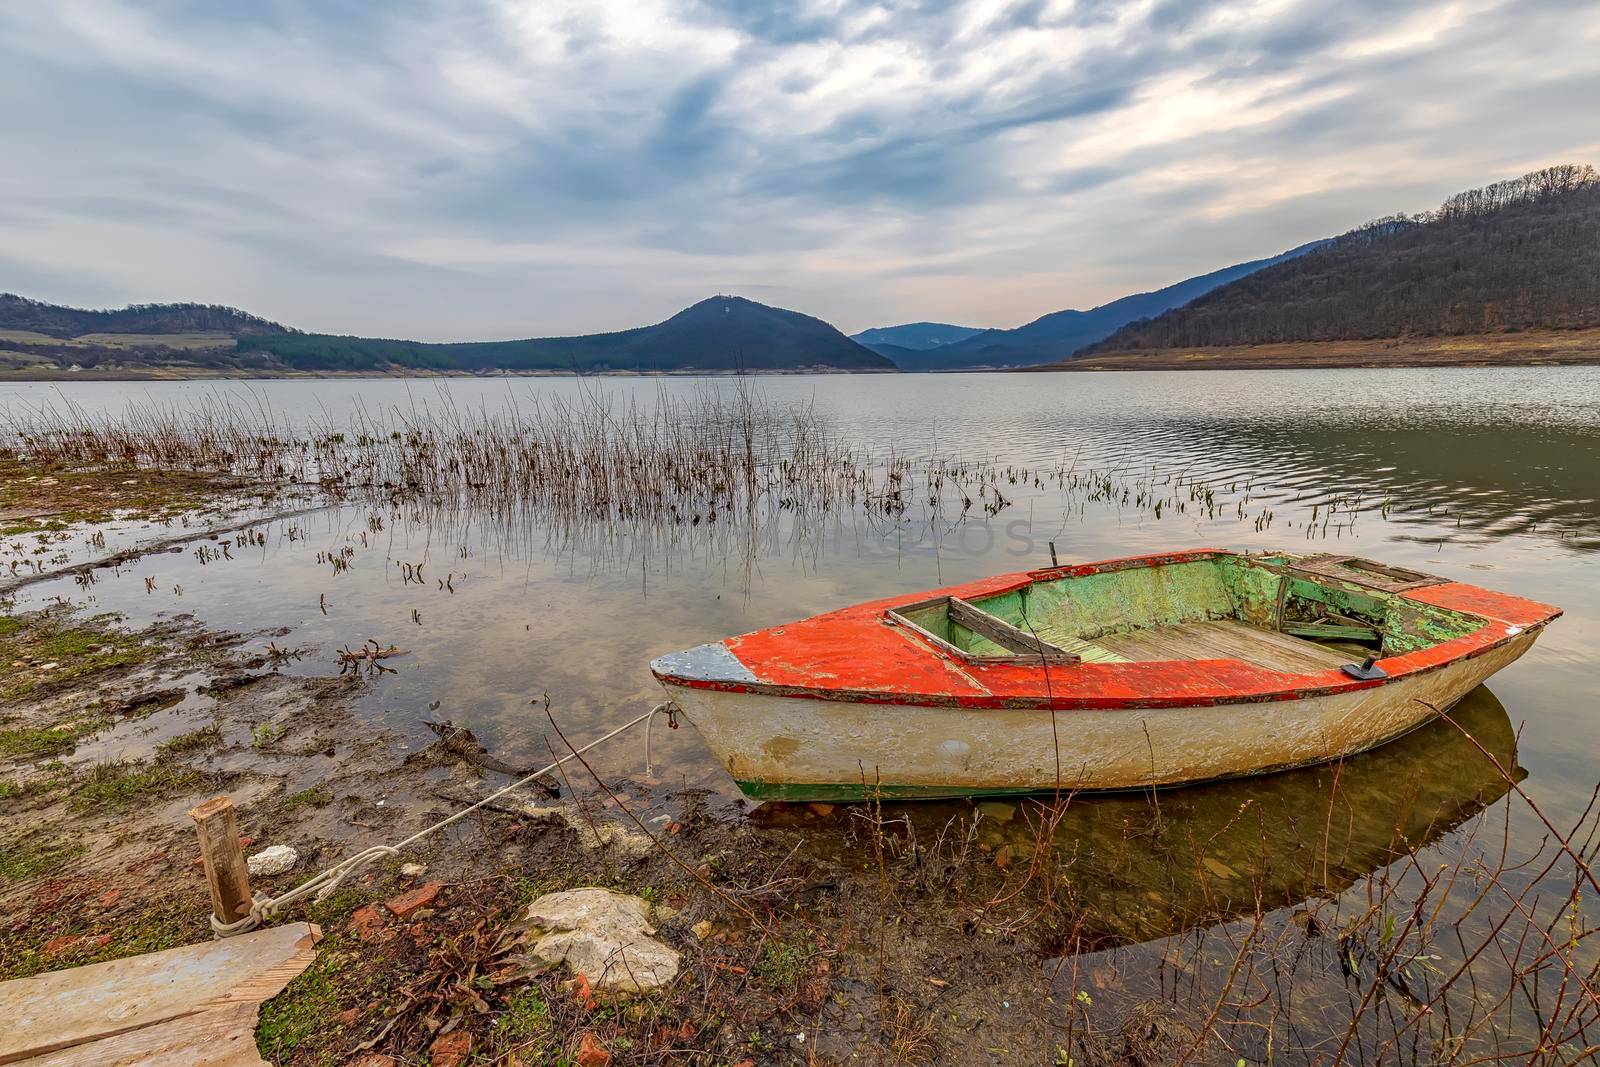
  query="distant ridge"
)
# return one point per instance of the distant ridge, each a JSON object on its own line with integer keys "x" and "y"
{"x": 913, "y": 336}
{"x": 55, "y": 320}
{"x": 1518, "y": 255}
{"x": 722, "y": 333}
{"x": 1060, "y": 333}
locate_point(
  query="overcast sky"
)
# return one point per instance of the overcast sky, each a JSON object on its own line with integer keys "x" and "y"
{"x": 471, "y": 170}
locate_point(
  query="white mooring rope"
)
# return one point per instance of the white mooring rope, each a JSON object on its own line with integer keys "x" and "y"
{"x": 264, "y": 908}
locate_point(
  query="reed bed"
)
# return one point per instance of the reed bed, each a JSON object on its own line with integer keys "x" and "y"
{"x": 597, "y": 467}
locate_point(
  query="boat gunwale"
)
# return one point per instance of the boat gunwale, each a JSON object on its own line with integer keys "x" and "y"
{"x": 1096, "y": 703}
{"x": 1294, "y": 687}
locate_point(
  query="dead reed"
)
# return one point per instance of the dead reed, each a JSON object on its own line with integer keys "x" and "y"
{"x": 1468, "y": 946}
{"x": 722, "y": 465}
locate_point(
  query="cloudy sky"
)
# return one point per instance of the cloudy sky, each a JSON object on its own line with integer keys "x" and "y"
{"x": 504, "y": 168}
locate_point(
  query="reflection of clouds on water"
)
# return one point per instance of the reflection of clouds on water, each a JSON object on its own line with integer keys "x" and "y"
{"x": 1484, "y": 473}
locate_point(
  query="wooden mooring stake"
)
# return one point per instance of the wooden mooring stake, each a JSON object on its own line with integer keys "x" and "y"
{"x": 226, "y": 871}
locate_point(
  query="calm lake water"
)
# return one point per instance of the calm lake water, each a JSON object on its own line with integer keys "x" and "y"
{"x": 1490, "y": 476}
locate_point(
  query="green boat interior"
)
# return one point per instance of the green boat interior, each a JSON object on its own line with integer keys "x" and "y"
{"x": 1294, "y": 614}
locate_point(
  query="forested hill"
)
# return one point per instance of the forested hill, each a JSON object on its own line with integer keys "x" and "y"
{"x": 1060, "y": 333}
{"x": 723, "y": 333}
{"x": 914, "y": 336}
{"x": 54, "y": 320}
{"x": 1517, "y": 255}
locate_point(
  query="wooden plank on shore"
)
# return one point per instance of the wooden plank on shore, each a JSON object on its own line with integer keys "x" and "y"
{"x": 221, "y": 1037}
{"x": 130, "y": 1010}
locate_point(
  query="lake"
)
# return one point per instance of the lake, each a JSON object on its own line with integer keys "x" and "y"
{"x": 1484, "y": 475}
{"x": 1490, "y": 476}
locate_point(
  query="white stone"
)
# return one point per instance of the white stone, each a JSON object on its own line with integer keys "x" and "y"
{"x": 997, "y": 811}
{"x": 600, "y": 835}
{"x": 604, "y": 936}
{"x": 413, "y": 870}
{"x": 275, "y": 859}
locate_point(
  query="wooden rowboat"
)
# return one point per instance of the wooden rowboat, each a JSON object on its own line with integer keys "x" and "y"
{"x": 1155, "y": 670}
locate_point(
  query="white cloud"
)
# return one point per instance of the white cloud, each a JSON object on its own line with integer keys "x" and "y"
{"x": 459, "y": 169}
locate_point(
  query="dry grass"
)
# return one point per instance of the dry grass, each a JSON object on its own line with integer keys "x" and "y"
{"x": 723, "y": 462}
{"x": 1530, "y": 348}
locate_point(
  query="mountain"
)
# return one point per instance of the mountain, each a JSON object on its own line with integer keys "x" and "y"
{"x": 1518, "y": 255}
{"x": 913, "y": 336}
{"x": 722, "y": 333}
{"x": 902, "y": 358}
{"x": 1060, "y": 333}
{"x": 54, "y": 320}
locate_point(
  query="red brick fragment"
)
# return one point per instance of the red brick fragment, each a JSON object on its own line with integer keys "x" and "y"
{"x": 367, "y": 924}
{"x": 404, "y": 905}
{"x": 591, "y": 1053}
{"x": 60, "y": 946}
{"x": 73, "y": 944}
{"x": 451, "y": 1050}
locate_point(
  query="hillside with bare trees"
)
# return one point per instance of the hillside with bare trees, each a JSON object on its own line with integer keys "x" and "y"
{"x": 1517, "y": 255}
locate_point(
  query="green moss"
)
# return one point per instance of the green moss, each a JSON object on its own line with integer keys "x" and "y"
{"x": 36, "y": 784}
{"x": 38, "y": 742}
{"x": 115, "y": 786}
{"x": 307, "y": 1008}
{"x": 195, "y": 740}
{"x": 167, "y": 924}
{"x": 525, "y": 1017}
{"x": 315, "y": 797}
{"x": 525, "y": 891}
{"x": 783, "y": 964}
{"x": 337, "y": 907}
{"x": 96, "y": 493}
{"x": 154, "y": 930}
{"x": 27, "y": 645}
{"x": 21, "y": 529}
{"x": 30, "y": 857}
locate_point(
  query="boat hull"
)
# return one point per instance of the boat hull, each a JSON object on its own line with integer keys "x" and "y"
{"x": 782, "y": 746}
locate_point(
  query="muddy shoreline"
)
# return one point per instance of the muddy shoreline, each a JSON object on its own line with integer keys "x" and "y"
{"x": 1139, "y": 929}
{"x": 787, "y": 956}
{"x": 1533, "y": 348}
{"x": 109, "y": 735}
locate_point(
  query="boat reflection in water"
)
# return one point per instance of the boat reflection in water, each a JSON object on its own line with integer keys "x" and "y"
{"x": 1140, "y": 866}
{"x": 1146, "y": 867}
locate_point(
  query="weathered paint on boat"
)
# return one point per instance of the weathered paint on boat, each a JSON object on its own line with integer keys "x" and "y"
{"x": 849, "y": 703}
